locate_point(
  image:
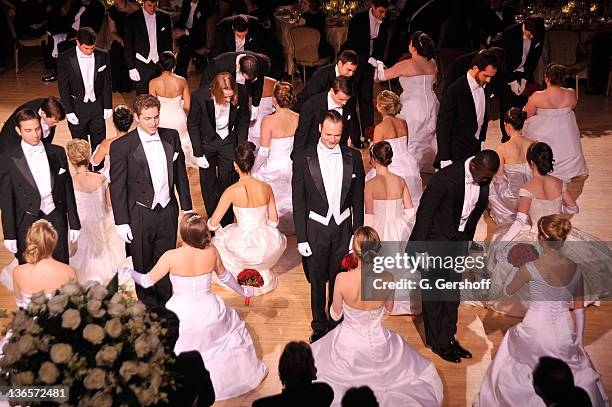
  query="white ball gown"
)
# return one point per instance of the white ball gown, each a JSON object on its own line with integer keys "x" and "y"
{"x": 266, "y": 108}
{"x": 207, "y": 325}
{"x": 546, "y": 330}
{"x": 558, "y": 129}
{"x": 251, "y": 243}
{"x": 504, "y": 196}
{"x": 172, "y": 116}
{"x": 277, "y": 172}
{"x": 593, "y": 256}
{"x": 404, "y": 165}
{"x": 394, "y": 228}
{"x": 420, "y": 110}
{"x": 361, "y": 352}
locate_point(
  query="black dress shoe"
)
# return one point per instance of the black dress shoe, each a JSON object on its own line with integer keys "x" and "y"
{"x": 317, "y": 334}
{"x": 460, "y": 350}
{"x": 49, "y": 78}
{"x": 475, "y": 247}
{"x": 448, "y": 354}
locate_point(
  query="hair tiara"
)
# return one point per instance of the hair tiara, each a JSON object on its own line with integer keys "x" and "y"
{"x": 194, "y": 218}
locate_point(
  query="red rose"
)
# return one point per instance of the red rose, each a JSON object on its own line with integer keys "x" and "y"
{"x": 349, "y": 261}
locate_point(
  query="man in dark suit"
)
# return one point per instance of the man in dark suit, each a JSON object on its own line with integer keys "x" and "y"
{"x": 465, "y": 62}
{"x": 148, "y": 33}
{"x": 463, "y": 117}
{"x": 315, "y": 109}
{"x": 327, "y": 193}
{"x": 85, "y": 85}
{"x": 216, "y": 125}
{"x": 489, "y": 18}
{"x": 238, "y": 33}
{"x": 147, "y": 165}
{"x": 50, "y": 112}
{"x": 190, "y": 31}
{"x": 446, "y": 220}
{"x": 523, "y": 44}
{"x": 35, "y": 184}
{"x": 367, "y": 36}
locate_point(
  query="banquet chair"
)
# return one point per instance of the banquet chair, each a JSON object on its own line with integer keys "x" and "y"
{"x": 19, "y": 43}
{"x": 306, "y": 48}
{"x": 565, "y": 47}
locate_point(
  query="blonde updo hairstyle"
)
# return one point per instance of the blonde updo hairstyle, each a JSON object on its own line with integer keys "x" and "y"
{"x": 554, "y": 229}
{"x": 283, "y": 93}
{"x": 40, "y": 241}
{"x": 366, "y": 244}
{"x": 79, "y": 152}
{"x": 388, "y": 103}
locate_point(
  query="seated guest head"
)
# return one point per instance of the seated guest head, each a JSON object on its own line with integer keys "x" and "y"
{"x": 240, "y": 26}
{"x": 553, "y": 229}
{"x": 484, "y": 67}
{"x": 296, "y": 365}
{"x": 555, "y": 74}
{"x": 249, "y": 68}
{"x": 341, "y": 91}
{"x": 422, "y": 44}
{"x": 514, "y": 119}
{"x": 331, "y": 129}
{"x": 388, "y": 103}
{"x": 283, "y": 95}
{"x": 359, "y": 397}
{"x": 167, "y": 61}
{"x": 381, "y": 153}
{"x": 244, "y": 157}
{"x": 534, "y": 28}
{"x": 122, "y": 118}
{"x": 379, "y": 9}
{"x": 86, "y": 40}
{"x": 28, "y": 126}
{"x": 553, "y": 381}
{"x": 146, "y": 112}
{"x": 484, "y": 166}
{"x": 150, "y": 6}
{"x": 540, "y": 157}
{"x": 193, "y": 231}
{"x": 78, "y": 152}
{"x": 347, "y": 63}
{"x": 223, "y": 89}
{"x": 40, "y": 241}
{"x": 52, "y": 111}
{"x": 310, "y": 6}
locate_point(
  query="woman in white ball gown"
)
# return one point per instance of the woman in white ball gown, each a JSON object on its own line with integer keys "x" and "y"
{"x": 206, "y": 324}
{"x": 389, "y": 211}
{"x": 554, "y": 282}
{"x": 417, "y": 75}
{"x": 395, "y": 131}
{"x": 266, "y": 108}
{"x": 173, "y": 93}
{"x": 273, "y": 162}
{"x": 513, "y": 170}
{"x": 252, "y": 242}
{"x": 360, "y": 351}
{"x": 552, "y": 121}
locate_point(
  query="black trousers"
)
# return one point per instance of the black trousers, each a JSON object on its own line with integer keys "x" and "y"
{"x": 146, "y": 72}
{"x": 47, "y": 49}
{"x": 154, "y": 232}
{"x": 91, "y": 122}
{"x": 508, "y": 99}
{"x": 366, "y": 95}
{"x": 329, "y": 244}
{"x": 187, "y": 46}
{"x": 215, "y": 179}
{"x": 59, "y": 222}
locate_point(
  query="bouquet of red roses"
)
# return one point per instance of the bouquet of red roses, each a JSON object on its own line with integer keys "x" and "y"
{"x": 349, "y": 261}
{"x": 250, "y": 277}
{"x": 522, "y": 253}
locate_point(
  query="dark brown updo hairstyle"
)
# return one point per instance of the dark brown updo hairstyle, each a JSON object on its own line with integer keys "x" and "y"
{"x": 423, "y": 44}
{"x": 541, "y": 155}
{"x": 515, "y": 117}
{"x": 556, "y": 74}
{"x": 194, "y": 231}
{"x": 244, "y": 156}
{"x": 382, "y": 153}
{"x": 283, "y": 93}
{"x": 554, "y": 228}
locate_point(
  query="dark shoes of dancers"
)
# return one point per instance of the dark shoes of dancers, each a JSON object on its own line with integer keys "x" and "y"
{"x": 49, "y": 78}
{"x": 454, "y": 353}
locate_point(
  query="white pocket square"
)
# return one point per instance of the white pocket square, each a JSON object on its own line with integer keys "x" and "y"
{"x": 103, "y": 67}
{"x": 492, "y": 95}
{"x": 199, "y": 14}
{"x": 353, "y": 176}
{"x": 61, "y": 171}
{"x": 538, "y": 44}
{"x": 348, "y": 118}
{"x": 175, "y": 156}
{"x": 163, "y": 29}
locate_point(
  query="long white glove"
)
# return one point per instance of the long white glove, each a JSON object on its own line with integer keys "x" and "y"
{"x": 11, "y": 245}
{"x": 332, "y": 313}
{"x": 373, "y": 62}
{"x": 142, "y": 280}
{"x": 482, "y": 145}
{"x": 254, "y": 112}
{"x": 125, "y": 232}
{"x": 570, "y": 210}
{"x": 519, "y": 222}
{"x": 73, "y": 235}
{"x": 409, "y": 212}
{"x": 202, "y": 162}
{"x": 134, "y": 75}
{"x": 262, "y": 157}
{"x": 72, "y": 118}
{"x": 212, "y": 227}
{"x": 579, "y": 315}
{"x": 108, "y": 113}
{"x": 445, "y": 163}
{"x": 272, "y": 223}
{"x": 509, "y": 279}
{"x": 229, "y": 280}
{"x": 304, "y": 249}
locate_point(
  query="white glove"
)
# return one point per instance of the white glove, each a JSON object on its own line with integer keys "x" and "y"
{"x": 304, "y": 249}
{"x": 445, "y": 163}
{"x": 482, "y": 145}
{"x": 519, "y": 222}
{"x": 409, "y": 212}
{"x": 202, "y": 162}
{"x": 212, "y": 227}
{"x": 261, "y": 158}
{"x": 373, "y": 62}
{"x": 254, "y": 111}
{"x": 380, "y": 72}
{"x": 108, "y": 113}
{"x": 229, "y": 280}
{"x": 522, "y": 86}
{"x": 11, "y": 245}
{"x": 272, "y": 223}
{"x": 72, "y": 118}
{"x": 73, "y": 235}
{"x": 142, "y": 280}
{"x": 332, "y": 313}
{"x": 579, "y": 314}
{"x": 134, "y": 75}
{"x": 125, "y": 232}
{"x": 515, "y": 87}
{"x": 570, "y": 210}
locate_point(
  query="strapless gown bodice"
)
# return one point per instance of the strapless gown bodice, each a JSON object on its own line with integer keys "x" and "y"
{"x": 266, "y": 108}
{"x": 504, "y": 196}
{"x": 173, "y": 116}
{"x": 415, "y": 85}
{"x": 195, "y": 287}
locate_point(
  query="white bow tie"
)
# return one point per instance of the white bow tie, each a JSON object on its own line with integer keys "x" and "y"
{"x": 151, "y": 139}
{"x": 37, "y": 149}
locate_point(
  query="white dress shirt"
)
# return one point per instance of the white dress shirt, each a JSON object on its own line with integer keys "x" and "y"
{"x": 240, "y": 41}
{"x": 239, "y": 78}
{"x": 526, "y": 46}
{"x": 331, "y": 105}
{"x": 374, "y": 28}
{"x": 156, "y": 158}
{"x": 76, "y": 24}
{"x": 472, "y": 191}
{"x": 46, "y": 129}
{"x": 87, "y": 65}
{"x": 330, "y": 161}
{"x": 222, "y": 119}
{"x": 151, "y": 21}
{"x": 478, "y": 95}
{"x": 192, "y": 10}
{"x": 37, "y": 160}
